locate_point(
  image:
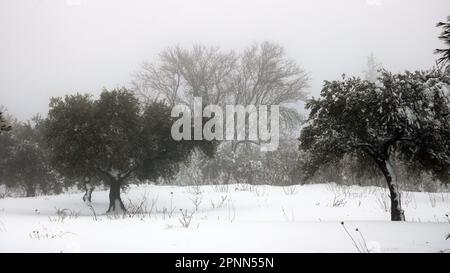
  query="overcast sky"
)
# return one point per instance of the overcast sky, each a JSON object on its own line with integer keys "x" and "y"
{"x": 51, "y": 48}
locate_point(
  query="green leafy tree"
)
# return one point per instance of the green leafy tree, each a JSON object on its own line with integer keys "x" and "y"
{"x": 71, "y": 137}
{"x": 114, "y": 139}
{"x": 26, "y": 164}
{"x": 6, "y": 143}
{"x": 405, "y": 115}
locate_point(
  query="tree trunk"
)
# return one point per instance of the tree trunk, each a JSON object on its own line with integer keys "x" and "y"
{"x": 30, "y": 191}
{"x": 89, "y": 188}
{"x": 397, "y": 214}
{"x": 115, "y": 202}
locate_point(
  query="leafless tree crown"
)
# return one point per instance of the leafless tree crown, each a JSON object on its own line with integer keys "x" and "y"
{"x": 260, "y": 75}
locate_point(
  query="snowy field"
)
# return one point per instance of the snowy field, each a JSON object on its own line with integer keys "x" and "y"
{"x": 237, "y": 218}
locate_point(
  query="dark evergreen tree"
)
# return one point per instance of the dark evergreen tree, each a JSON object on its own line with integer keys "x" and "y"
{"x": 445, "y": 37}
{"x": 26, "y": 164}
{"x": 405, "y": 116}
{"x": 6, "y": 143}
{"x": 3, "y": 124}
{"x": 112, "y": 138}
{"x": 71, "y": 137}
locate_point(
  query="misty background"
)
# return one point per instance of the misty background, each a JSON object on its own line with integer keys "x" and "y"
{"x": 52, "y": 48}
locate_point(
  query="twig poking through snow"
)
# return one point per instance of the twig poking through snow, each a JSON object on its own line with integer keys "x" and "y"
{"x": 362, "y": 238}
{"x": 186, "y": 218}
{"x": 290, "y": 190}
{"x": 360, "y": 247}
{"x": 196, "y": 201}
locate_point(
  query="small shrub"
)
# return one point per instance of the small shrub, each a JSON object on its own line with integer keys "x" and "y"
{"x": 186, "y": 218}
{"x": 196, "y": 201}
{"x": 220, "y": 203}
{"x": 290, "y": 190}
{"x": 62, "y": 214}
{"x": 432, "y": 198}
{"x": 137, "y": 208}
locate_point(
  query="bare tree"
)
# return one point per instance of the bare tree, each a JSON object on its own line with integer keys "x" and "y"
{"x": 259, "y": 75}
{"x": 265, "y": 76}
{"x": 262, "y": 74}
{"x": 181, "y": 74}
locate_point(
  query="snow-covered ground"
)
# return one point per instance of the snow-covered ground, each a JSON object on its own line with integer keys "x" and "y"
{"x": 237, "y": 218}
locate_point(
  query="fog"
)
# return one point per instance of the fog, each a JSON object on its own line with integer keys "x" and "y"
{"x": 51, "y": 48}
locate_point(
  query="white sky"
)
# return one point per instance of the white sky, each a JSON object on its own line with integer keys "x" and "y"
{"x": 51, "y": 48}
